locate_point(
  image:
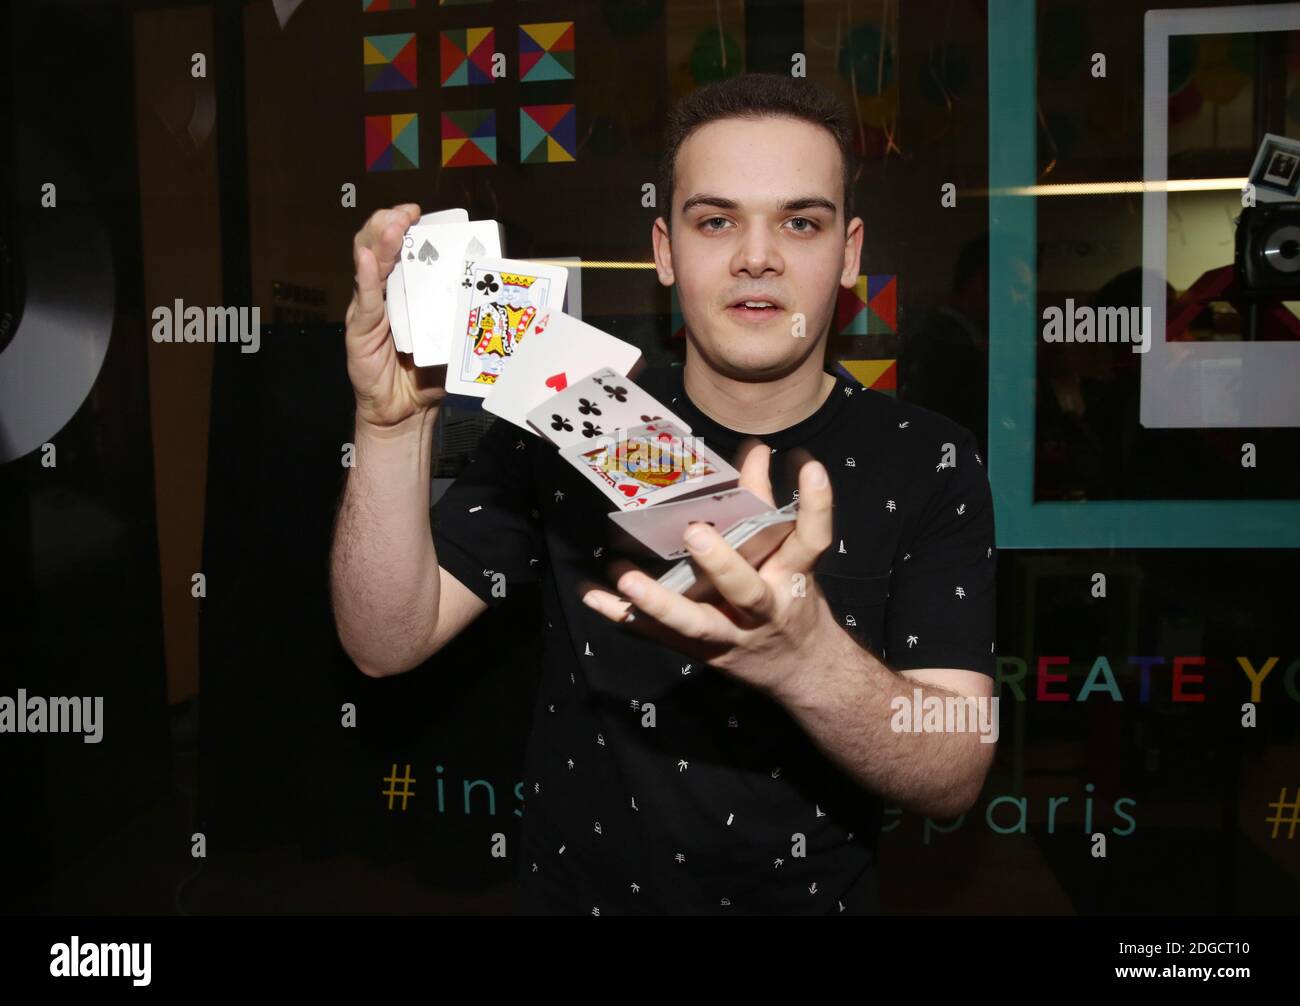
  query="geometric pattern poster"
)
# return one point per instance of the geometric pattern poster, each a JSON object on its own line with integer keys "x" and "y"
{"x": 465, "y": 55}
{"x": 392, "y": 142}
{"x": 546, "y": 52}
{"x": 389, "y": 62}
{"x": 469, "y": 137}
{"x": 547, "y": 134}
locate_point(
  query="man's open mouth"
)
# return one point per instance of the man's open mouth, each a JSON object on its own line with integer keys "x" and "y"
{"x": 755, "y": 307}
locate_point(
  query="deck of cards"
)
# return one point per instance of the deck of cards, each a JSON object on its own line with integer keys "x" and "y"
{"x": 755, "y": 538}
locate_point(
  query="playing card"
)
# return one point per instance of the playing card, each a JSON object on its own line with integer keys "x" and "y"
{"x": 679, "y": 577}
{"x": 650, "y": 464}
{"x": 661, "y": 528}
{"x": 499, "y": 302}
{"x": 601, "y": 403}
{"x": 456, "y": 216}
{"x": 433, "y": 263}
{"x": 395, "y": 296}
{"x": 762, "y": 520}
{"x": 755, "y": 545}
{"x": 558, "y": 350}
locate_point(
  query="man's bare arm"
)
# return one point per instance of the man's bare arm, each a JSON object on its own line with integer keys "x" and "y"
{"x": 844, "y": 703}
{"x": 384, "y": 577}
{"x": 385, "y": 584}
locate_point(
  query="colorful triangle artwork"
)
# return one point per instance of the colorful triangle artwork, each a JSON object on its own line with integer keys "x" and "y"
{"x": 376, "y": 6}
{"x": 392, "y": 142}
{"x": 879, "y": 375}
{"x": 546, "y": 51}
{"x": 465, "y": 56}
{"x": 469, "y": 138}
{"x": 869, "y": 308}
{"x": 882, "y": 299}
{"x": 548, "y": 134}
{"x": 389, "y": 62}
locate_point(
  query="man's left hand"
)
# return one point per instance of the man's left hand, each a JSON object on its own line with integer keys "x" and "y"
{"x": 772, "y": 622}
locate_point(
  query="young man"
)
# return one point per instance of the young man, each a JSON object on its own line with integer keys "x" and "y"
{"x": 703, "y": 758}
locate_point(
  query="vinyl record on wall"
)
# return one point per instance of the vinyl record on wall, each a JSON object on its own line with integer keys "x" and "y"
{"x": 59, "y": 298}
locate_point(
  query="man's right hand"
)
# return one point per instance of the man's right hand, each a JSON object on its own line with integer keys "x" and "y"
{"x": 388, "y": 386}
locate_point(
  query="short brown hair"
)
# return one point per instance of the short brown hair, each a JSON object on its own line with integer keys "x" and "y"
{"x": 754, "y": 96}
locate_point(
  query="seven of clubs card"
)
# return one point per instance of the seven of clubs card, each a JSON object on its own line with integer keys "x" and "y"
{"x": 558, "y": 351}
{"x": 601, "y": 403}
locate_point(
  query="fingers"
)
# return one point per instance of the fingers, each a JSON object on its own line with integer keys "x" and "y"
{"x": 813, "y": 526}
{"x": 374, "y": 253}
{"x": 616, "y": 609}
{"x": 635, "y": 619}
{"x": 402, "y": 215}
{"x": 387, "y": 244}
{"x": 367, "y": 300}
{"x": 684, "y": 618}
{"x": 739, "y": 583}
{"x": 756, "y": 458}
{"x": 383, "y": 234}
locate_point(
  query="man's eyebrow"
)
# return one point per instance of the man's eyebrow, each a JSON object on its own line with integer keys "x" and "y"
{"x": 809, "y": 203}
{"x": 787, "y": 205}
{"x": 703, "y": 199}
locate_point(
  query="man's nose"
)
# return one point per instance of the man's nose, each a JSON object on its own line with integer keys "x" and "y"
{"x": 757, "y": 252}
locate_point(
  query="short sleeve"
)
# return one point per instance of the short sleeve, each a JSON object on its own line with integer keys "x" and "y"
{"x": 486, "y": 521}
{"x": 943, "y": 601}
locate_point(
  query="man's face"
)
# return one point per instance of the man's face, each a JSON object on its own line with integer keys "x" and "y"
{"x": 758, "y": 209}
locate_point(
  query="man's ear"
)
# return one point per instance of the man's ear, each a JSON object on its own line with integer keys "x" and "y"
{"x": 852, "y": 253}
{"x": 662, "y": 243}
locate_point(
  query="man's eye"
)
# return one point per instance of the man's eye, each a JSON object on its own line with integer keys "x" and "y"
{"x": 712, "y": 220}
{"x": 812, "y": 225}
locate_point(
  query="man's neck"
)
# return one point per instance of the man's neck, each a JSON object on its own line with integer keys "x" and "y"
{"x": 756, "y": 407}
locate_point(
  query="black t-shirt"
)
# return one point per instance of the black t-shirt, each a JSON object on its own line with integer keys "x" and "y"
{"x": 655, "y": 784}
